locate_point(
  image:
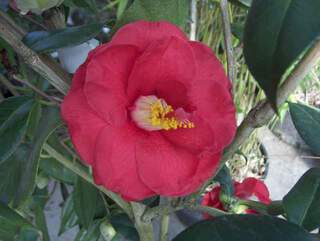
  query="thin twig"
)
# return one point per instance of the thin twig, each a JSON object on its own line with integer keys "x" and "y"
{"x": 193, "y": 24}
{"x": 165, "y": 219}
{"x": 214, "y": 212}
{"x": 228, "y": 39}
{"x": 144, "y": 228}
{"x": 8, "y": 85}
{"x": 263, "y": 112}
{"x": 53, "y": 99}
{"x": 155, "y": 212}
{"x": 27, "y": 17}
{"x": 43, "y": 65}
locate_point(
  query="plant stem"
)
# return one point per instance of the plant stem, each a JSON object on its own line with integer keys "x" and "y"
{"x": 8, "y": 85}
{"x": 257, "y": 206}
{"x": 262, "y": 113}
{"x": 78, "y": 169}
{"x": 53, "y": 99}
{"x": 275, "y": 208}
{"x": 228, "y": 39}
{"x": 214, "y": 212}
{"x": 42, "y": 64}
{"x": 165, "y": 219}
{"x": 164, "y": 228}
{"x": 144, "y": 228}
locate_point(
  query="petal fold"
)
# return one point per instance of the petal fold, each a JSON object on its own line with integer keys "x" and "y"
{"x": 142, "y": 33}
{"x": 106, "y": 80}
{"x": 115, "y": 162}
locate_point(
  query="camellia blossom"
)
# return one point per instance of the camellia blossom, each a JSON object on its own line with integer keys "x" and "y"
{"x": 250, "y": 188}
{"x": 150, "y": 111}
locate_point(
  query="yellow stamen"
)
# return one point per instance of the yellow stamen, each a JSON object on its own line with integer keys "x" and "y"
{"x": 159, "y": 111}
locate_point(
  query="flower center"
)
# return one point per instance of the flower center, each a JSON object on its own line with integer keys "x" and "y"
{"x": 152, "y": 114}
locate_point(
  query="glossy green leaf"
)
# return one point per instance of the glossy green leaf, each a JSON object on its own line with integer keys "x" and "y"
{"x": 124, "y": 227}
{"x": 306, "y": 119}
{"x": 42, "y": 41}
{"x": 174, "y": 11}
{"x": 69, "y": 217}
{"x": 90, "y": 234}
{"x": 276, "y": 34}
{"x": 302, "y": 203}
{"x": 14, "y": 113}
{"x": 85, "y": 201}
{"x": 244, "y": 227}
{"x": 49, "y": 122}
{"x": 12, "y": 225}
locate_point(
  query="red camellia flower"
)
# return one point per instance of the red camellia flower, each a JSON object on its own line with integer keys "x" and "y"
{"x": 150, "y": 111}
{"x": 250, "y": 188}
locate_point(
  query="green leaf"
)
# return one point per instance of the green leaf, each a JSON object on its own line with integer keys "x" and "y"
{"x": 121, "y": 7}
{"x": 174, "y": 11}
{"x": 237, "y": 30}
{"x": 69, "y": 217}
{"x": 42, "y": 41}
{"x": 85, "y": 201}
{"x": 14, "y": 114}
{"x": 244, "y": 227}
{"x": 41, "y": 222}
{"x": 124, "y": 227}
{"x": 303, "y": 201}
{"x": 91, "y": 234}
{"x": 87, "y": 4}
{"x": 34, "y": 118}
{"x": 223, "y": 177}
{"x": 245, "y": 3}
{"x": 11, "y": 172}
{"x": 13, "y": 225}
{"x": 49, "y": 122}
{"x": 37, "y": 6}
{"x": 306, "y": 119}
{"x": 276, "y": 34}
{"x": 55, "y": 169}
{"x": 28, "y": 234}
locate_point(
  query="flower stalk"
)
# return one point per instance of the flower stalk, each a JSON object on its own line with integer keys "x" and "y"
{"x": 144, "y": 228}
{"x": 165, "y": 219}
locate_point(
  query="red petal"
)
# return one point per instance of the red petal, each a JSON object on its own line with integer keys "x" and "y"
{"x": 83, "y": 124}
{"x": 196, "y": 139}
{"x": 142, "y": 33}
{"x": 252, "y": 187}
{"x": 208, "y": 164}
{"x": 164, "y": 67}
{"x": 212, "y": 199}
{"x": 106, "y": 81}
{"x": 210, "y": 93}
{"x": 170, "y": 170}
{"x": 115, "y": 164}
